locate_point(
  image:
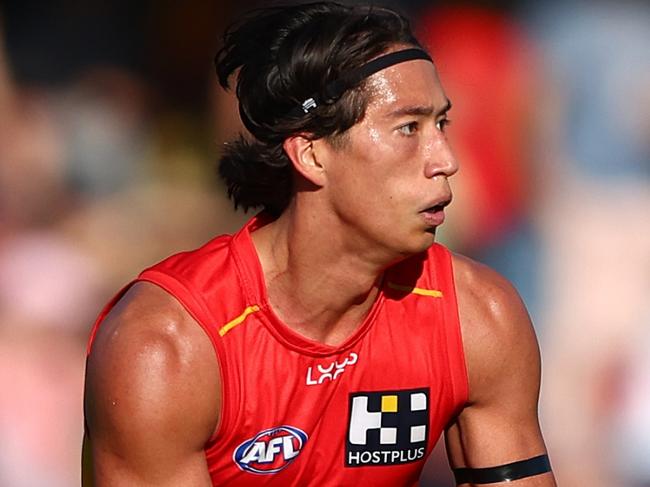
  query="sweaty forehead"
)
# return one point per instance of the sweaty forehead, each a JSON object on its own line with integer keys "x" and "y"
{"x": 410, "y": 83}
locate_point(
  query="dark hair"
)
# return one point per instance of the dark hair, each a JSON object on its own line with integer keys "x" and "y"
{"x": 286, "y": 55}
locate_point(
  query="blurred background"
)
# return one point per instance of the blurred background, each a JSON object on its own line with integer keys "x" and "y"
{"x": 110, "y": 125}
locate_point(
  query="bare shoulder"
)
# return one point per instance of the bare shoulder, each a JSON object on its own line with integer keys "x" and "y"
{"x": 152, "y": 375}
{"x": 498, "y": 335}
{"x": 148, "y": 319}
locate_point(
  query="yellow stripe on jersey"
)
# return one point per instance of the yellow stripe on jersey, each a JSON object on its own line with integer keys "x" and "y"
{"x": 434, "y": 293}
{"x": 233, "y": 323}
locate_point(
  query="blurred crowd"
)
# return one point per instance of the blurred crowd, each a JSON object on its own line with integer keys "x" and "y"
{"x": 111, "y": 123}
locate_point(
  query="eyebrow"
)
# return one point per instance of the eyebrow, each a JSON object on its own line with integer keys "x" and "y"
{"x": 419, "y": 110}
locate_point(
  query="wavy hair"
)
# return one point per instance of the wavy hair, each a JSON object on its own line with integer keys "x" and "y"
{"x": 280, "y": 57}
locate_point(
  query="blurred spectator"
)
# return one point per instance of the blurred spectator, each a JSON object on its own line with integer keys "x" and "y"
{"x": 597, "y": 241}
{"x": 100, "y": 176}
{"x": 486, "y": 64}
{"x": 104, "y": 117}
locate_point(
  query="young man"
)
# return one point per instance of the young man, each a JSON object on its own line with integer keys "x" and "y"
{"x": 330, "y": 341}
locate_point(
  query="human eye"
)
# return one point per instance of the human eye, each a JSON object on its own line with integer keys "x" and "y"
{"x": 442, "y": 124}
{"x": 409, "y": 128}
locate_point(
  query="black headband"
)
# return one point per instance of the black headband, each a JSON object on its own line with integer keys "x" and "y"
{"x": 352, "y": 78}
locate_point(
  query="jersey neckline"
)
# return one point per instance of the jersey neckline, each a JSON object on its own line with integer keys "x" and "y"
{"x": 254, "y": 287}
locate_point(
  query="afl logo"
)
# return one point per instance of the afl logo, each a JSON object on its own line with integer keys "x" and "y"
{"x": 270, "y": 450}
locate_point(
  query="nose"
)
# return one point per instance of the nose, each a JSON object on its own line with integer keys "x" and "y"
{"x": 440, "y": 159}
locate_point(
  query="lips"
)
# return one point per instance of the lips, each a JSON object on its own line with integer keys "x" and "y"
{"x": 434, "y": 215}
{"x": 438, "y": 205}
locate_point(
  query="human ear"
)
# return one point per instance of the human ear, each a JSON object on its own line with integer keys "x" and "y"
{"x": 300, "y": 150}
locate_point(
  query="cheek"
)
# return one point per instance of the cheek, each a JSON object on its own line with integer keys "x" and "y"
{"x": 382, "y": 196}
{"x": 378, "y": 173}
{"x": 387, "y": 151}
{"x": 362, "y": 192}
{"x": 384, "y": 181}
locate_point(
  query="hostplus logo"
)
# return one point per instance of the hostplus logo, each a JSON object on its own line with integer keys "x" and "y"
{"x": 387, "y": 427}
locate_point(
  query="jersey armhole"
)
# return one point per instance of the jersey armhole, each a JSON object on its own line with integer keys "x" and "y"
{"x": 458, "y": 370}
{"x": 199, "y": 310}
{"x": 103, "y": 313}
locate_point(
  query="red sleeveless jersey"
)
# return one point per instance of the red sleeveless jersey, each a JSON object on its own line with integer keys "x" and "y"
{"x": 297, "y": 412}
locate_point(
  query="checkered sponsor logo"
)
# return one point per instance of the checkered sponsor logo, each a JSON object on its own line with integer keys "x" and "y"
{"x": 387, "y": 427}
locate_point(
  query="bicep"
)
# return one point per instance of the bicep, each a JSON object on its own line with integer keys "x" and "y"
{"x": 147, "y": 423}
{"x": 501, "y": 422}
{"x": 110, "y": 467}
{"x": 499, "y": 425}
{"x": 131, "y": 448}
{"x": 495, "y": 433}
{"x": 501, "y": 428}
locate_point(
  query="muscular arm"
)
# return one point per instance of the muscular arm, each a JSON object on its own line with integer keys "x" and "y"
{"x": 151, "y": 395}
{"x": 499, "y": 425}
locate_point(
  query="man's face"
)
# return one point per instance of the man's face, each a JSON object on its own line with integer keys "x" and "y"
{"x": 388, "y": 182}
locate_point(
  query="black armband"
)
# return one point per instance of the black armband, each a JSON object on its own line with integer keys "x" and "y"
{"x": 503, "y": 473}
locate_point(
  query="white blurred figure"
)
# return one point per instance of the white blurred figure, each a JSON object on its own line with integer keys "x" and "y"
{"x": 596, "y": 175}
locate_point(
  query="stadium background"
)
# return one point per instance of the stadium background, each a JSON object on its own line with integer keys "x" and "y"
{"x": 110, "y": 125}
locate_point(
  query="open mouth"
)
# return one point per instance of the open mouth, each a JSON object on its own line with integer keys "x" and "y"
{"x": 436, "y": 208}
{"x": 435, "y": 215}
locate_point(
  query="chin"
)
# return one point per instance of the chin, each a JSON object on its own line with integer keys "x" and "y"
{"x": 428, "y": 241}
{"x": 420, "y": 243}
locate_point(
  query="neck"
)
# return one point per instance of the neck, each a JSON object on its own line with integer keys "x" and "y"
{"x": 318, "y": 281}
